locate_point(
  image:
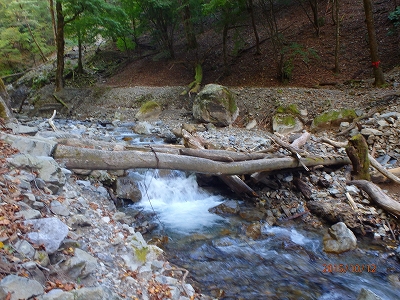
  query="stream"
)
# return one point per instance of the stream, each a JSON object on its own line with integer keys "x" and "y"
{"x": 287, "y": 262}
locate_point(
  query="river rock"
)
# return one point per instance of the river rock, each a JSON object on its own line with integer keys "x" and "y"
{"x": 226, "y": 207}
{"x": 339, "y": 239}
{"x": 127, "y": 188}
{"x": 21, "y": 287}
{"x": 286, "y": 123}
{"x": 148, "y": 111}
{"x": 367, "y": 295}
{"x": 48, "y": 169}
{"x": 24, "y": 248}
{"x": 30, "y": 145}
{"x": 48, "y": 231}
{"x": 215, "y": 104}
{"x": 81, "y": 265}
{"x": 332, "y": 118}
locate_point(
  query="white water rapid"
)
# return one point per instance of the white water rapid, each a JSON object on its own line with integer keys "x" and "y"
{"x": 180, "y": 204}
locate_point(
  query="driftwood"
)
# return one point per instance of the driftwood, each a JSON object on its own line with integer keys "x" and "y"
{"x": 392, "y": 174}
{"x": 357, "y": 150}
{"x": 50, "y": 120}
{"x": 93, "y": 159}
{"x": 378, "y": 196}
{"x": 236, "y": 184}
{"x": 222, "y": 155}
{"x": 301, "y": 141}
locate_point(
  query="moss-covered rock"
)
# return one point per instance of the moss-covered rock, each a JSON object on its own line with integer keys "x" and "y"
{"x": 149, "y": 110}
{"x": 215, "y": 104}
{"x": 284, "y": 123}
{"x": 333, "y": 118}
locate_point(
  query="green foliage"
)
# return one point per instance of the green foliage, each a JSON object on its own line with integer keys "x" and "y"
{"x": 291, "y": 109}
{"x": 23, "y": 28}
{"x": 125, "y": 44}
{"x": 290, "y": 54}
{"x": 141, "y": 254}
{"x": 148, "y": 106}
{"x": 394, "y": 18}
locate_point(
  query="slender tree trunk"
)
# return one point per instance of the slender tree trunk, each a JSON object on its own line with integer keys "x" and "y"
{"x": 314, "y": 7}
{"x": 337, "y": 33}
{"x": 253, "y": 24}
{"x": 224, "y": 50}
{"x": 373, "y": 44}
{"x": 79, "y": 69}
{"x": 188, "y": 25}
{"x": 53, "y": 20}
{"x": 60, "y": 48}
{"x": 44, "y": 58}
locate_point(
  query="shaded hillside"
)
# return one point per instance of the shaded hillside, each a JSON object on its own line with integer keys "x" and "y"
{"x": 249, "y": 69}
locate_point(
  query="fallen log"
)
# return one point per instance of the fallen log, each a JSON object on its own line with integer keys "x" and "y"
{"x": 93, "y": 159}
{"x": 235, "y": 183}
{"x": 222, "y": 155}
{"x": 378, "y": 196}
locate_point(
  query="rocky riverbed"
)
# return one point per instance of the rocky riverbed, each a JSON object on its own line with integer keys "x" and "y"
{"x": 63, "y": 238}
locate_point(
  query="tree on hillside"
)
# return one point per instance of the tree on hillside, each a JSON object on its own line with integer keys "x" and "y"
{"x": 373, "y": 44}
{"x": 162, "y": 16}
{"x": 89, "y": 16}
{"x": 188, "y": 26}
{"x": 315, "y": 20}
{"x": 106, "y": 20}
{"x": 228, "y": 13}
{"x": 24, "y": 34}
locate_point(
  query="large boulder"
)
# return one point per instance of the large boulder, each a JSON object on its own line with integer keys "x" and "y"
{"x": 339, "y": 239}
{"x": 215, "y": 104}
{"x": 333, "y": 118}
{"x": 5, "y": 111}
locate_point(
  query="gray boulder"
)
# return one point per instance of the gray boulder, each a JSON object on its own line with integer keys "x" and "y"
{"x": 339, "y": 239}
{"x": 286, "y": 123}
{"x": 215, "y": 104}
{"x": 127, "y": 188}
{"x": 21, "y": 287}
{"x": 81, "y": 265}
{"x": 48, "y": 231}
{"x": 30, "y": 145}
{"x": 47, "y": 167}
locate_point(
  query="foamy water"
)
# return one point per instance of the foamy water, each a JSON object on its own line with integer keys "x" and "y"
{"x": 181, "y": 205}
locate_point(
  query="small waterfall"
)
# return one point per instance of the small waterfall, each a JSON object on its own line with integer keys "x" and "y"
{"x": 180, "y": 204}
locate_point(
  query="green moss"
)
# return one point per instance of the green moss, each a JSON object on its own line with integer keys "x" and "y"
{"x": 3, "y": 112}
{"x": 141, "y": 254}
{"x": 232, "y": 103}
{"x": 148, "y": 106}
{"x": 287, "y": 120}
{"x": 331, "y": 116}
{"x": 290, "y": 109}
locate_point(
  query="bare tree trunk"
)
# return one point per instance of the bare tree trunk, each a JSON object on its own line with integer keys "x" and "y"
{"x": 188, "y": 25}
{"x": 79, "y": 69}
{"x": 337, "y": 33}
{"x": 224, "y": 48}
{"x": 60, "y": 48}
{"x": 373, "y": 44}
{"x": 53, "y": 20}
{"x": 253, "y": 24}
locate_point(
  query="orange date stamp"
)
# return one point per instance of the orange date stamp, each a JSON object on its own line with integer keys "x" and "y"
{"x": 351, "y": 268}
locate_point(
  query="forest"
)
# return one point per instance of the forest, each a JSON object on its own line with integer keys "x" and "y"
{"x": 32, "y": 31}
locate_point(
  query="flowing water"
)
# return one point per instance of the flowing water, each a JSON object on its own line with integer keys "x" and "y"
{"x": 287, "y": 262}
